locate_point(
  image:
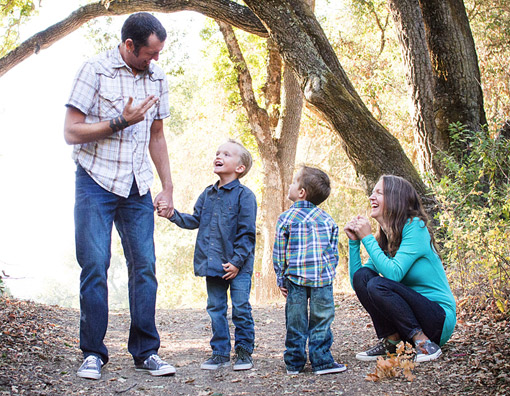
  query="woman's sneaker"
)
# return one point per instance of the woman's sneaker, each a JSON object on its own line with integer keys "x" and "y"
{"x": 380, "y": 349}
{"x": 427, "y": 351}
{"x": 215, "y": 362}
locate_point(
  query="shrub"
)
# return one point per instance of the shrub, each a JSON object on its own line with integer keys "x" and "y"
{"x": 474, "y": 216}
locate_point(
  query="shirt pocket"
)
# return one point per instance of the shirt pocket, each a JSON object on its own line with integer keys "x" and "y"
{"x": 229, "y": 213}
{"x": 110, "y": 105}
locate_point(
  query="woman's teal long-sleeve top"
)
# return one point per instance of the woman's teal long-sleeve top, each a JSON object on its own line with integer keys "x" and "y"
{"x": 416, "y": 265}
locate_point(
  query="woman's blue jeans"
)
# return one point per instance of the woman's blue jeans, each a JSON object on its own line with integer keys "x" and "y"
{"x": 217, "y": 305}
{"x": 396, "y": 308}
{"x": 314, "y": 327}
{"x": 96, "y": 210}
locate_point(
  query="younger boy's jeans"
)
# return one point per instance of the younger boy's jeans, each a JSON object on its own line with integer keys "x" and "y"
{"x": 217, "y": 305}
{"x": 314, "y": 326}
{"x": 95, "y": 212}
{"x": 396, "y": 308}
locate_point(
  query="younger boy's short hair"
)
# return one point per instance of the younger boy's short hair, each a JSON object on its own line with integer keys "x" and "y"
{"x": 244, "y": 156}
{"x": 316, "y": 184}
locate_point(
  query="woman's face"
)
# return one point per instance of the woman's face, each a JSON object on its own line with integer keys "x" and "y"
{"x": 377, "y": 202}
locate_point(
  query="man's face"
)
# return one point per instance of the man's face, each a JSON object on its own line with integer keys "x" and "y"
{"x": 145, "y": 55}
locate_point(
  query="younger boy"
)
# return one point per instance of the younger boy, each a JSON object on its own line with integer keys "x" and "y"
{"x": 225, "y": 216}
{"x": 305, "y": 257}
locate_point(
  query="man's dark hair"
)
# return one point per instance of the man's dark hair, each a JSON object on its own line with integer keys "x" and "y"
{"x": 138, "y": 27}
{"x": 316, "y": 184}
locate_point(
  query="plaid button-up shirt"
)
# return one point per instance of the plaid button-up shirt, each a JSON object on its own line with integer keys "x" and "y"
{"x": 101, "y": 90}
{"x": 306, "y": 246}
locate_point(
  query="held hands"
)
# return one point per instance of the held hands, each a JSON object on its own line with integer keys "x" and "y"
{"x": 163, "y": 208}
{"x": 231, "y": 271}
{"x": 358, "y": 228}
{"x": 284, "y": 291}
{"x": 135, "y": 114}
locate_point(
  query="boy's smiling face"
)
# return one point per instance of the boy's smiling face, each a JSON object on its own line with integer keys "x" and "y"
{"x": 228, "y": 161}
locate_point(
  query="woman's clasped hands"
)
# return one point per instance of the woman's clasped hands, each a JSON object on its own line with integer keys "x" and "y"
{"x": 358, "y": 228}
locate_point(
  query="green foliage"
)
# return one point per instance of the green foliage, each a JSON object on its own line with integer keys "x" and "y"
{"x": 13, "y": 14}
{"x": 474, "y": 219}
{"x": 490, "y": 24}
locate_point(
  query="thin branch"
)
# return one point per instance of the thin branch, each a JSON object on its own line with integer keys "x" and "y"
{"x": 225, "y": 10}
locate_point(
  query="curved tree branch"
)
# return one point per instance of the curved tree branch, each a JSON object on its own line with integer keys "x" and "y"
{"x": 224, "y": 10}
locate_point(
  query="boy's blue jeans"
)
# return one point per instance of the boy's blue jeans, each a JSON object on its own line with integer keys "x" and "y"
{"x": 314, "y": 326}
{"x": 217, "y": 305}
{"x": 96, "y": 210}
{"x": 396, "y": 308}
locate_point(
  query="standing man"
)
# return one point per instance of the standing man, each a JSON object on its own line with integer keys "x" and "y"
{"x": 114, "y": 114}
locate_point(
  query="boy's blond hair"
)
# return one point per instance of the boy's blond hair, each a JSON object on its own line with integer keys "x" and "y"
{"x": 244, "y": 156}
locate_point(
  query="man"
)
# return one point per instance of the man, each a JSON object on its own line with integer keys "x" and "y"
{"x": 114, "y": 114}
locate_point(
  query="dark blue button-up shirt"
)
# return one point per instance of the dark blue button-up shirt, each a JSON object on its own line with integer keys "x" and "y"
{"x": 225, "y": 218}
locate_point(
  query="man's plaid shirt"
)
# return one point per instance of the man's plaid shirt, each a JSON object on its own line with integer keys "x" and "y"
{"x": 101, "y": 90}
{"x": 306, "y": 246}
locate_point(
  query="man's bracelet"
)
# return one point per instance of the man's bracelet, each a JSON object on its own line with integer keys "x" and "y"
{"x": 116, "y": 124}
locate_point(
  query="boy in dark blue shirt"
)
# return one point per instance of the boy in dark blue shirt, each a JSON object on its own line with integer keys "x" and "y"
{"x": 225, "y": 216}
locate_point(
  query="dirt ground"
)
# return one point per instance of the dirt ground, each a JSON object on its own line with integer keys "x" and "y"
{"x": 39, "y": 355}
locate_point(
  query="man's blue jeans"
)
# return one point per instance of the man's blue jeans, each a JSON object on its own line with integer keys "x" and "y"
{"x": 217, "y": 305}
{"x": 96, "y": 210}
{"x": 396, "y": 308}
{"x": 316, "y": 326}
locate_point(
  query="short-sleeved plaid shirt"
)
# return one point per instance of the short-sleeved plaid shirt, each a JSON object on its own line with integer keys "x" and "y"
{"x": 101, "y": 90}
{"x": 306, "y": 246}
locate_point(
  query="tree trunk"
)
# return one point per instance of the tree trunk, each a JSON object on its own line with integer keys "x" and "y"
{"x": 442, "y": 73}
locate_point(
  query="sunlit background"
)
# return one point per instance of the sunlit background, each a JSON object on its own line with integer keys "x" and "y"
{"x": 37, "y": 172}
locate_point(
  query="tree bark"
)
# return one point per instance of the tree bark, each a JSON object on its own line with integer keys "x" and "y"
{"x": 442, "y": 72}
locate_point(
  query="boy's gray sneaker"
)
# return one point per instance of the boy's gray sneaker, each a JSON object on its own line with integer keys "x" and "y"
{"x": 215, "y": 362}
{"x": 335, "y": 368}
{"x": 427, "y": 351}
{"x": 242, "y": 360}
{"x": 90, "y": 368}
{"x": 380, "y": 349}
{"x": 155, "y": 366}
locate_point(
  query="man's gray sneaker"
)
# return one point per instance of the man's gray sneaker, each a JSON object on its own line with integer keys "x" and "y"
{"x": 155, "y": 366}
{"x": 427, "y": 351}
{"x": 90, "y": 368}
{"x": 380, "y": 349}
{"x": 242, "y": 360}
{"x": 215, "y": 362}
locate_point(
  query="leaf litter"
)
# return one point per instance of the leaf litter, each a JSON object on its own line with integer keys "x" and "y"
{"x": 39, "y": 355}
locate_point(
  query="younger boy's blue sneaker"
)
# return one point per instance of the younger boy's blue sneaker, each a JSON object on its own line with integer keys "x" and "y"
{"x": 215, "y": 362}
{"x": 335, "y": 368}
{"x": 242, "y": 360}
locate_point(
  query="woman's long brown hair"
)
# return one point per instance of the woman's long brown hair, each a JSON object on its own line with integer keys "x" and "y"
{"x": 401, "y": 202}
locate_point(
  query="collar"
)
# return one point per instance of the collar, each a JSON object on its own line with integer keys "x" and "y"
{"x": 228, "y": 186}
{"x": 303, "y": 204}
